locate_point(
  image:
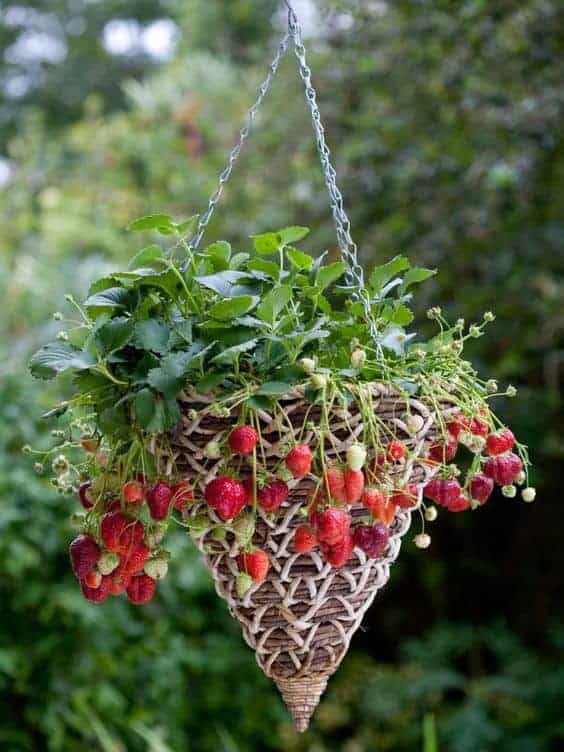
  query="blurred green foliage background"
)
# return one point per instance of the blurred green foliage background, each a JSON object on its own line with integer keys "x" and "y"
{"x": 446, "y": 125}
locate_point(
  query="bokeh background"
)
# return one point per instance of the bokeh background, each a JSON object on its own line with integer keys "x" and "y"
{"x": 446, "y": 123}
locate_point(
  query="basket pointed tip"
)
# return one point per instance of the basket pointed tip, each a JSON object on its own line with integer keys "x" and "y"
{"x": 302, "y": 696}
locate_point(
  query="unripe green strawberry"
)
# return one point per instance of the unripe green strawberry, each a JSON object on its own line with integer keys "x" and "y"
{"x": 308, "y": 365}
{"x": 199, "y": 525}
{"x": 244, "y": 528}
{"x": 529, "y": 494}
{"x": 422, "y": 540}
{"x": 358, "y": 358}
{"x": 319, "y": 381}
{"x": 212, "y": 450}
{"x": 356, "y": 456}
{"x": 108, "y": 562}
{"x": 243, "y": 583}
{"x": 156, "y": 568}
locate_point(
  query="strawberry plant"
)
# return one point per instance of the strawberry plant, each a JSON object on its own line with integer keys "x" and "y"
{"x": 248, "y": 327}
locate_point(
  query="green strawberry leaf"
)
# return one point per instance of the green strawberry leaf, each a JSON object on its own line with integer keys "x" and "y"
{"x": 113, "y": 335}
{"x": 273, "y": 388}
{"x": 326, "y": 275}
{"x": 225, "y": 310}
{"x": 382, "y": 274}
{"x": 226, "y": 283}
{"x": 162, "y": 223}
{"x": 150, "y": 255}
{"x": 219, "y": 253}
{"x": 153, "y": 335}
{"x": 299, "y": 260}
{"x": 57, "y": 357}
{"x": 273, "y": 303}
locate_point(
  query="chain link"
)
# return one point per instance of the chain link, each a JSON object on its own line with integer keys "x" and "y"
{"x": 347, "y": 246}
{"x": 243, "y": 136}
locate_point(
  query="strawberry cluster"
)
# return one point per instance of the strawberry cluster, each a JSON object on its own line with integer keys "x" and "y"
{"x": 120, "y": 550}
{"x": 494, "y": 462}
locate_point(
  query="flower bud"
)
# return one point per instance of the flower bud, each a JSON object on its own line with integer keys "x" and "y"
{"x": 489, "y": 317}
{"x": 474, "y": 331}
{"x": 510, "y": 492}
{"x": 511, "y": 391}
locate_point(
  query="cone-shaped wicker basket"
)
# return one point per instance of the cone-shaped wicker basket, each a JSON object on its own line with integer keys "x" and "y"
{"x": 301, "y": 619}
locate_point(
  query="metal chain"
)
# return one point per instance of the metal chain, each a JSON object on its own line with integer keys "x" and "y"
{"x": 243, "y": 136}
{"x": 347, "y": 246}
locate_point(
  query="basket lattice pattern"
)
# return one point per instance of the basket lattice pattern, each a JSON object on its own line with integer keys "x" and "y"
{"x": 301, "y": 619}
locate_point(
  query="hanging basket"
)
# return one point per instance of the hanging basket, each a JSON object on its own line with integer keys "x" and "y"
{"x": 373, "y": 415}
{"x": 301, "y": 619}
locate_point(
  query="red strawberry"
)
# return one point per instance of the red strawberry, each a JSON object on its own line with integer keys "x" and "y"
{"x": 336, "y": 484}
{"x": 133, "y": 560}
{"x": 243, "y": 440}
{"x": 500, "y": 442}
{"x": 159, "y": 499}
{"x": 338, "y": 554}
{"x": 479, "y": 427}
{"x": 120, "y": 532}
{"x": 84, "y": 554}
{"x": 405, "y": 498}
{"x": 119, "y": 581}
{"x": 133, "y": 493}
{"x": 372, "y": 540}
{"x": 141, "y": 589}
{"x": 227, "y": 496}
{"x": 84, "y": 495}
{"x": 304, "y": 539}
{"x": 256, "y": 564}
{"x": 481, "y": 487}
{"x": 504, "y": 470}
{"x": 459, "y": 505}
{"x": 446, "y": 452}
{"x": 96, "y": 595}
{"x": 93, "y": 579}
{"x": 182, "y": 495}
{"x": 273, "y": 495}
{"x": 379, "y": 505}
{"x": 396, "y": 451}
{"x": 354, "y": 485}
{"x": 458, "y": 423}
{"x": 443, "y": 491}
{"x": 298, "y": 460}
{"x": 332, "y": 526}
